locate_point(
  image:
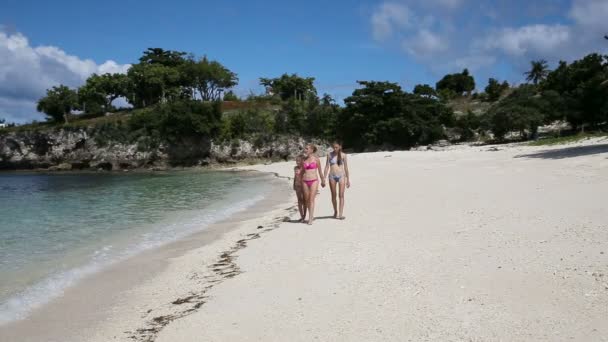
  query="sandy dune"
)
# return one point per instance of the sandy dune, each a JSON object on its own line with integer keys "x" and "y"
{"x": 469, "y": 244}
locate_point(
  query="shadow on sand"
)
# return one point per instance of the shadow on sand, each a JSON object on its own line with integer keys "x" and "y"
{"x": 316, "y": 218}
{"x": 568, "y": 152}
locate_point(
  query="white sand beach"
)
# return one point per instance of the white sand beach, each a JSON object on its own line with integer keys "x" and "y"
{"x": 470, "y": 244}
{"x": 490, "y": 243}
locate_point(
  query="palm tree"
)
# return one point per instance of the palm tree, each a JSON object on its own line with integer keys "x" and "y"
{"x": 538, "y": 72}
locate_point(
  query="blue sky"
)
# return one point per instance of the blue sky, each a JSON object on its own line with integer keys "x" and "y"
{"x": 337, "y": 42}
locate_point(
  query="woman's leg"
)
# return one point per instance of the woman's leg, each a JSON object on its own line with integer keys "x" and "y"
{"x": 334, "y": 201}
{"x": 306, "y": 198}
{"x": 342, "y": 187}
{"x": 301, "y": 205}
{"x": 312, "y": 195}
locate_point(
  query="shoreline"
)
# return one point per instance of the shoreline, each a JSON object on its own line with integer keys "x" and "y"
{"x": 455, "y": 256}
{"x": 95, "y": 297}
{"x": 228, "y": 166}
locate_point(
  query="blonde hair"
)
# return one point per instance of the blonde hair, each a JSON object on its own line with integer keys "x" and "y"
{"x": 313, "y": 146}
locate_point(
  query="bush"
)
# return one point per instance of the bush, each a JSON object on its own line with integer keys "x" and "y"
{"x": 467, "y": 125}
{"x": 381, "y": 113}
{"x": 522, "y": 111}
{"x": 248, "y": 122}
{"x": 178, "y": 120}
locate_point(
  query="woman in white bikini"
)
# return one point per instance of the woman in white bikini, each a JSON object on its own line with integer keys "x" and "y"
{"x": 336, "y": 167}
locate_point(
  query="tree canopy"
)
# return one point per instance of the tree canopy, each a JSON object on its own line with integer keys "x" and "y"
{"x": 582, "y": 97}
{"x": 381, "y": 112}
{"x": 290, "y": 86}
{"x": 425, "y": 90}
{"x": 538, "y": 71}
{"x": 458, "y": 83}
{"x": 58, "y": 103}
{"x": 100, "y": 91}
{"x": 494, "y": 89}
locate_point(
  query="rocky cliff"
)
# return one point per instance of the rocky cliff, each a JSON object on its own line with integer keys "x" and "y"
{"x": 92, "y": 149}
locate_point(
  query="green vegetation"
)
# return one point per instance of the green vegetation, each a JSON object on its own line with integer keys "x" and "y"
{"x": 58, "y": 103}
{"x": 177, "y": 99}
{"x": 494, "y": 89}
{"x": 382, "y": 113}
{"x": 453, "y": 85}
{"x": 425, "y": 90}
{"x": 538, "y": 72}
{"x": 566, "y": 139}
{"x": 290, "y": 86}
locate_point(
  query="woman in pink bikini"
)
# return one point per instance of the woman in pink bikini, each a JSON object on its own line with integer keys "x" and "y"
{"x": 312, "y": 174}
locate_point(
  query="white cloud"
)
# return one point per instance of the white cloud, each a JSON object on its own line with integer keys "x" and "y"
{"x": 497, "y": 39}
{"x": 473, "y": 62}
{"x": 424, "y": 44}
{"x": 26, "y": 72}
{"x": 389, "y": 17}
{"x": 529, "y": 40}
{"x": 591, "y": 14}
{"x": 446, "y": 4}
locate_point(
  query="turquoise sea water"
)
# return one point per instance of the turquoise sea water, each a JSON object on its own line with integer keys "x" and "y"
{"x": 56, "y": 229}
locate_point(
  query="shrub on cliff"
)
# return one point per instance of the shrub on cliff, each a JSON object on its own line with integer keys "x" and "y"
{"x": 179, "y": 120}
{"x": 248, "y": 122}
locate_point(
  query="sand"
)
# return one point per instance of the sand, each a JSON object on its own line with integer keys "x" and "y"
{"x": 491, "y": 243}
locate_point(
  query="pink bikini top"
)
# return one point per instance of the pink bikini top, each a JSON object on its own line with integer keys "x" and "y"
{"x": 310, "y": 166}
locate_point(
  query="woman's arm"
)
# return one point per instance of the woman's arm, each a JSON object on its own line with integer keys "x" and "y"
{"x": 326, "y": 167}
{"x": 346, "y": 171}
{"x": 320, "y": 172}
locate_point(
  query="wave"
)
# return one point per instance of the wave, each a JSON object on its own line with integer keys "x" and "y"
{"x": 178, "y": 226}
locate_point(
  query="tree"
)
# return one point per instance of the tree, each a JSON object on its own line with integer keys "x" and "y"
{"x": 494, "y": 89}
{"x": 230, "y": 96}
{"x": 583, "y": 99}
{"x": 457, "y": 83}
{"x": 425, "y": 90}
{"x": 209, "y": 78}
{"x": 153, "y": 83}
{"x": 382, "y": 113}
{"x": 523, "y": 111}
{"x": 538, "y": 71}
{"x": 103, "y": 90}
{"x": 290, "y": 86}
{"x": 58, "y": 103}
{"x": 160, "y": 56}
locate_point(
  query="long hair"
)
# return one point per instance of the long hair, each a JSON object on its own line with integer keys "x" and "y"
{"x": 339, "y": 153}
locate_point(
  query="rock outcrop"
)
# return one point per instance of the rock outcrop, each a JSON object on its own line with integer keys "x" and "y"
{"x": 86, "y": 149}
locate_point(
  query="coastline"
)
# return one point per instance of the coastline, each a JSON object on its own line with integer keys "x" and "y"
{"x": 94, "y": 301}
{"x": 437, "y": 245}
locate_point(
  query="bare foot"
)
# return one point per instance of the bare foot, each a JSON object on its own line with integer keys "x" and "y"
{"x": 342, "y": 218}
{"x": 310, "y": 222}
